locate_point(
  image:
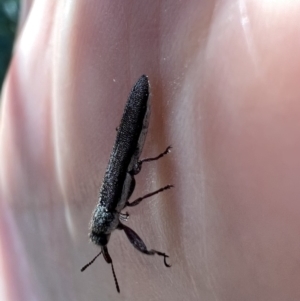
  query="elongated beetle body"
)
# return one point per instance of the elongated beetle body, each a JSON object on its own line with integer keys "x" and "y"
{"x": 119, "y": 182}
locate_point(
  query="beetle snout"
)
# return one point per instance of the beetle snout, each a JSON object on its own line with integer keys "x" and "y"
{"x": 100, "y": 239}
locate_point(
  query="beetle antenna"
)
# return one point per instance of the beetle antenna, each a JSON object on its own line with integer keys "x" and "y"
{"x": 92, "y": 261}
{"x": 115, "y": 277}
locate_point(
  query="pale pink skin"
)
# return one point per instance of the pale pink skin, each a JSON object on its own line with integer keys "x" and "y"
{"x": 225, "y": 79}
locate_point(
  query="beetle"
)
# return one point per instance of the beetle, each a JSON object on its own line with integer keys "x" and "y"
{"x": 119, "y": 182}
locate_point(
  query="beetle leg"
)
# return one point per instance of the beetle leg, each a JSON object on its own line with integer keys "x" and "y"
{"x": 124, "y": 216}
{"x": 137, "y": 168}
{"x": 137, "y": 242}
{"x": 137, "y": 201}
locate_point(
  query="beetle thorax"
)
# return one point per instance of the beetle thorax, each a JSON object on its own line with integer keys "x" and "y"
{"x": 104, "y": 221}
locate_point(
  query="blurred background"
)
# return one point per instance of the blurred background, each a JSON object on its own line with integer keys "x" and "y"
{"x": 9, "y": 11}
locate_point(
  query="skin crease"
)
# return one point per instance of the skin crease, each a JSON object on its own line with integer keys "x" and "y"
{"x": 225, "y": 90}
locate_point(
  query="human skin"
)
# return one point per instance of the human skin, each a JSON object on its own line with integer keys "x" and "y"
{"x": 225, "y": 90}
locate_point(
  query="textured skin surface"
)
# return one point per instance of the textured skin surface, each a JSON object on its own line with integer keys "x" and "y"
{"x": 225, "y": 75}
{"x": 125, "y": 153}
